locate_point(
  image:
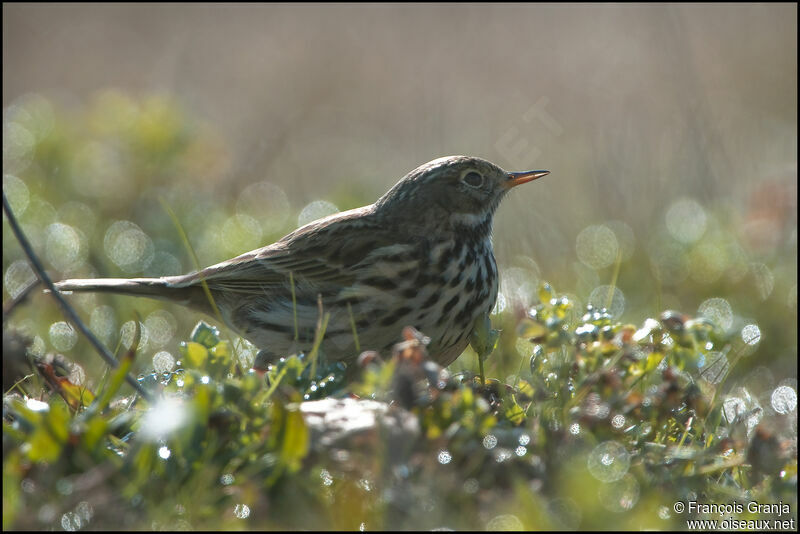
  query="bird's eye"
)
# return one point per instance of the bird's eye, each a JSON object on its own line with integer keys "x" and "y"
{"x": 473, "y": 179}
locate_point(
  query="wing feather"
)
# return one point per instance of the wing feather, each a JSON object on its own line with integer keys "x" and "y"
{"x": 335, "y": 251}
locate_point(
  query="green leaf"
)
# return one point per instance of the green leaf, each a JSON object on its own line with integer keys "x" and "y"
{"x": 653, "y": 359}
{"x": 50, "y": 435}
{"x": 290, "y": 435}
{"x": 515, "y": 413}
{"x": 546, "y": 293}
{"x": 205, "y": 334}
{"x": 295, "y": 440}
{"x": 195, "y": 354}
{"x": 95, "y": 429}
{"x": 484, "y": 337}
{"x": 117, "y": 377}
{"x": 219, "y": 362}
{"x": 528, "y": 328}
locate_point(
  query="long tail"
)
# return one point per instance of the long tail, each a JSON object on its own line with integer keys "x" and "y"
{"x": 167, "y": 288}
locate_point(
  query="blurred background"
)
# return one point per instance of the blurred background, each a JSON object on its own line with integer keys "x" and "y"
{"x": 670, "y": 133}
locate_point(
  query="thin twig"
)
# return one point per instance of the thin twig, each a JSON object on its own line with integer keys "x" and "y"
{"x": 67, "y": 309}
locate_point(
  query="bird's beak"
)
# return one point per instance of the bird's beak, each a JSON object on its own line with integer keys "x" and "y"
{"x": 517, "y": 178}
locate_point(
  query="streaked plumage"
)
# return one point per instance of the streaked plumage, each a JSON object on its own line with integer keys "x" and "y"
{"x": 421, "y": 256}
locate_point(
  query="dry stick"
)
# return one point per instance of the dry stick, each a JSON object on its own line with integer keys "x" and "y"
{"x": 67, "y": 309}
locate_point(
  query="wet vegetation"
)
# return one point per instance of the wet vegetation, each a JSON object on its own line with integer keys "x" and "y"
{"x": 591, "y": 402}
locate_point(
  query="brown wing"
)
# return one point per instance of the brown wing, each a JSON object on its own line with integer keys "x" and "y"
{"x": 326, "y": 252}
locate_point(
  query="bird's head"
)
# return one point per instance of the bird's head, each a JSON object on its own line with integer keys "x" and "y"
{"x": 454, "y": 191}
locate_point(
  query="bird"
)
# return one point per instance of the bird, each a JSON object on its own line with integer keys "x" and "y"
{"x": 420, "y": 256}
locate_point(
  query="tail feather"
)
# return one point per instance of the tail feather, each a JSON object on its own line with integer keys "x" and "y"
{"x": 158, "y": 288}
{"x": 125, "y": 286}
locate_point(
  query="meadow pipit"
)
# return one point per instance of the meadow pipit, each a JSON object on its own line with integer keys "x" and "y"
{"x": 420, "y": 256}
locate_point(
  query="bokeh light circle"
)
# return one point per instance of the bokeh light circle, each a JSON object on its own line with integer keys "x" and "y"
{"x": 686, "y": 220}
{"x": 784, "y": 399}
{"x": 63, "y": 247}
{"x": 16, "y": 193}
{"x": 599, "y": 299}
{"x": 17, "y": 277}
{"x": 316, "y": 210}
{"x": 597, "y": 246}
{"x": 62, "y": 336}
{"x": 609, "y": 461}
{"x": 128, "y": 246}
{"x": 620, "y": 495}
{"x": 717, "y": 310}
{"x": 163, "y": 362}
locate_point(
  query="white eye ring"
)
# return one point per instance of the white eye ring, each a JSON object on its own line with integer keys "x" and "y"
{"x": 473, "y": 179}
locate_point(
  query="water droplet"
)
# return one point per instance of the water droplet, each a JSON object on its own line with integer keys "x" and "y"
{"x": 609, "y": 461}
{"x": 471, "y": 486}
{"x": 27, "y": 485}
{"x": 489, "y": 441}
{"x": 621, "y": 495}
{"x": 71, "y": 521}
{"x": 62, "y": 336}
{"x": 732, "y": 407}
{"x": 161, "y": 327}
{"x": 500, "y": 304}
{"x": 599, "y": 298}
{"x": 163, "y": 418}
{"x": 501, "y": 455}
{"x": 163, "y": 362}
{"x": 36, "y": 405}
{"x": 715, "y": 367}
{"x": 718, "y": 311}
{"x": 326, "y": 477}
{"x": 751, "y": 334}
{"x": 241, "y": 511}
{"x": 505, "y": 522}
{"x": 16, "y": 193}
{"x": 18, "y": 277}
{"x": 444, "y": 457}
{"x": 77, "y": 375}
{"x": 784, "y": 399}
{"x": 127, "y": 331}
